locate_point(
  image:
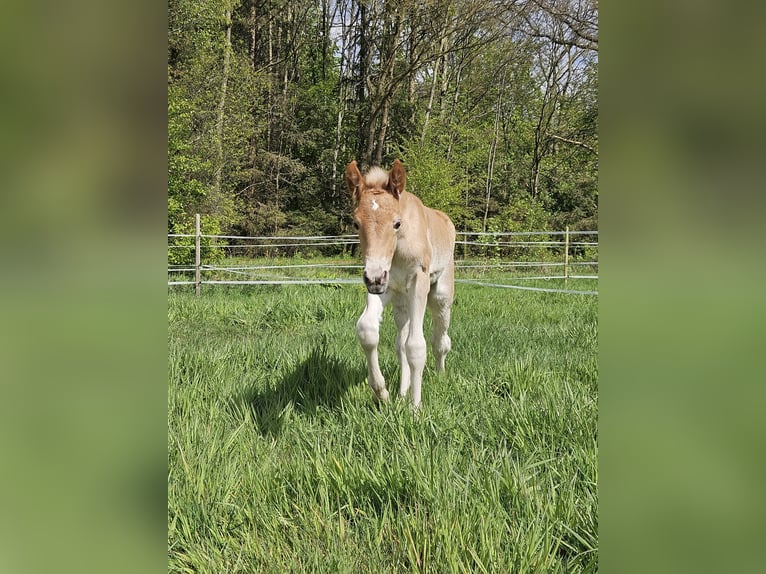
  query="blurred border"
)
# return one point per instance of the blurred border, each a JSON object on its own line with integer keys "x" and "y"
{"x": 681, "y": 306}
{"x": 83, "y": 300}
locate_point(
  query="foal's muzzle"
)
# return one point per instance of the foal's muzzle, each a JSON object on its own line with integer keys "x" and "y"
{"x": 376, "y": 284}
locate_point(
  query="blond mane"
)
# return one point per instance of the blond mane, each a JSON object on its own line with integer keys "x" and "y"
{"x": 376, "y": 177}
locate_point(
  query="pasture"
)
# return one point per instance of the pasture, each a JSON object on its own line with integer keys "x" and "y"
{"x": 280, "y": 461}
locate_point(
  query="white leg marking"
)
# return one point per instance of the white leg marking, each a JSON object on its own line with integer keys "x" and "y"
{"x": 415, "y": 346}
{"x": 367, "y": 331}
{"x": 440, "y": 302}
{"x": 402, "y": 318}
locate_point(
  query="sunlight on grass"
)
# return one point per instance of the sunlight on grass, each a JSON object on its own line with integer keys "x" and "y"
{"x": 279, "y": 460}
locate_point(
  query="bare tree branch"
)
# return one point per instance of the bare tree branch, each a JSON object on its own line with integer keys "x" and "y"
{"x": 574, "y": 142}
{"x": 578, "y": 17}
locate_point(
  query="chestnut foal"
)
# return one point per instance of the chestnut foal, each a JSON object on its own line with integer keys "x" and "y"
{"x": 408, "y": 261}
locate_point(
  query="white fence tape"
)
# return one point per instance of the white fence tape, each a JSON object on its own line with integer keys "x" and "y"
{"x": 523, "y": 233}
{"x": 524, "y": 243}
{"x": 543, "y": 289}
{"x": 328, "y": 240}
{"x": 521, "y": 264}
{"x": 272, "y": 245}
{"x": 359, "y": 282}
{"x": 355, "y": 236}
{"x": 285, "y": 282}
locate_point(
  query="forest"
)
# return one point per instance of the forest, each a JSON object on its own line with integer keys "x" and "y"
{"x": 491, "y": 105}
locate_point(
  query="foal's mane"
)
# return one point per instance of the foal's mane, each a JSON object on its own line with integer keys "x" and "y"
{"x": 376, "y": 177}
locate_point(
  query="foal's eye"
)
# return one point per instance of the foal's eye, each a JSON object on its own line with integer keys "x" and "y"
{"x": 397, "y": 224}
{"x": 356, "y": 225}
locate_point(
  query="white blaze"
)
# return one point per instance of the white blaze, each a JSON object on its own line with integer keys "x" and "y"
{"x": 374, "y": 205}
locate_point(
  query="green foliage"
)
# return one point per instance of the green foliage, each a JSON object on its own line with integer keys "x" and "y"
{"x": 524, "y": 214}
{"x": 181, "y": 249}
{"x": 296, "y": 111}
{"x": 521, "y": 213}
{"x": 187, "y": 172}
{"x": 438, "y": 182}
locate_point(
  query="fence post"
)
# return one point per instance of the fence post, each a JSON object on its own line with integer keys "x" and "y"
{"x": 566, "y": 257}
{"x": 197, "y": 255}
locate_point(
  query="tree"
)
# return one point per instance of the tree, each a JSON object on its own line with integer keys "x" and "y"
{"x": 492, "y": 105}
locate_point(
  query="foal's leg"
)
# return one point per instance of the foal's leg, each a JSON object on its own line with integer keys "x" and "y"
{"x": 440, "y": 302}
{"x": 402, "y": 319}
{"x": 367, "y": 331}
{"x": 415, "y": 347}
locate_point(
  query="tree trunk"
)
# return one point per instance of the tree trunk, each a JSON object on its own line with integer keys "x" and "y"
{"x": 370, "y": 143}
{"x": 453, "y": 108}
{"x": 444, "y": 86}
{"x": 382, "y": 94}
{"x": 270, "y": 85}
{"x": 547, "y": 109}
{"x": 382, "y": 131}
{"x": 364, "y": 119}
{"x": 326, "y": 22}
{"x": 222, "y": 106}
{"x": 411, "y": 80}
{"x": 253, "y": 33}
{"x": 286, "y": 43}
{"x": 440, "y": 62}
{"x": 343, "y": 77}
{"x": 336, "y": 147}
{"x": 430, "y": 103}
{"x": 493, "y": 151}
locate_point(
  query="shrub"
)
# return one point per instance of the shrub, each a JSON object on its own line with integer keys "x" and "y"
{"x": 181, "y": 249}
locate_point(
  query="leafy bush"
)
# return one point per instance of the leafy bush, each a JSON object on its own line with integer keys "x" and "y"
{"x": 181, "y": 249}
{"x": 524, "y": 214}
{"x": 438, "y": 182}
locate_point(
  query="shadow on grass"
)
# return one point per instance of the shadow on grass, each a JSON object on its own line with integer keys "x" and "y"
{"x": 318, "y": 383}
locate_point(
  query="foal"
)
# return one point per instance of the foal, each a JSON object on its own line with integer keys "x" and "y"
{"x": 408, "y": 262}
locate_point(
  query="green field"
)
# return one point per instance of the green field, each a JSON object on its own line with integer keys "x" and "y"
{"x": 279, "y": 461}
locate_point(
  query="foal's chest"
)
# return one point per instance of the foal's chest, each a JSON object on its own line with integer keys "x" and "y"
{"x": 398, "y": 278}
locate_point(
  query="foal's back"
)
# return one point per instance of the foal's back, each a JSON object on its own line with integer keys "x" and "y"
{"x": 429, "y": 238}
{"x": 441, "y": 232}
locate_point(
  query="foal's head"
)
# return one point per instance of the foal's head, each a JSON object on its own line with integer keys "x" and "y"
{"x": 377, "y": 218}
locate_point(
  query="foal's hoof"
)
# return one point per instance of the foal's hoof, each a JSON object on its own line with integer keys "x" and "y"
{"x": 381, "y": 396}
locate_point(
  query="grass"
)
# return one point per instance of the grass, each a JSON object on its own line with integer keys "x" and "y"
{"x": 279, "y": 461}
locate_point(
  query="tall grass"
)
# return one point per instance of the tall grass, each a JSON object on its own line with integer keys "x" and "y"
{"x": 279, "y": 461}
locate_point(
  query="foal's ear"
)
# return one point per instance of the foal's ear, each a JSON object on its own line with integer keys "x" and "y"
{"x": 397, "y": 179}
{"x": 353, "y": 181}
